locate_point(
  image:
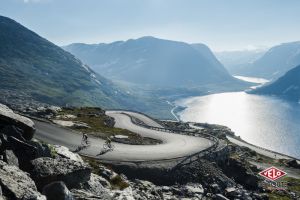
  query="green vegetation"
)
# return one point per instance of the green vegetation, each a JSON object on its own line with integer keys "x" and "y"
{"x": 101, "y": 125}
{"x": 94, "y": 163}
{"x": 118, "y": 183}
{"x": 293, "y": 186}
{"x": 274, "y": 196}
{"x": 97, "y": 121}
{"x": 53, "y": 152}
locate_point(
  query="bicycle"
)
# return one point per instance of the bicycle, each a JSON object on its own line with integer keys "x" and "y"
{"x": 108, "y": 147}
{"x": 85, "y": 142}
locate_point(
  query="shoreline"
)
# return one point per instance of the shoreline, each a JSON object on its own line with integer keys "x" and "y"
{"x": 172, "y": 111}
{"x": 238, "y": 138}
{"x": 256, "y": 148}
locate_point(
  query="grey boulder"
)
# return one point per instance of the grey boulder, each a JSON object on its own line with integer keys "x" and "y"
{"x": 7, "y": 116}
{"x": 14, "y": 131}
{"x": 16, "y": 184}
{"x": 86, "y": 195}
{"x": 293, "y": 163}
{"x": 24, "y": 152}
{"x": 66, "y": 153}
{"x": 46, "y": 170}
{"x": 221, "y": 197}
{"x": 10, "y": 158}
{"x": 42, "y": 150}
{"x": 57, "y": 191}
{"x": 96, "y": 185}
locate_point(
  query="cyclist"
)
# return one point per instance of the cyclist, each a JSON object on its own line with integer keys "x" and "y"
{"x": 108, "y": 142}
{"x": 107, "y": 146}
{"x": 85, "y": 138}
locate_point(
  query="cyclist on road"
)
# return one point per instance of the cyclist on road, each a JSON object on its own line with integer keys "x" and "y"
{"x": 85, "y": 138}
{"x": 108, "y": 142}
{"x": 107, "y": 146}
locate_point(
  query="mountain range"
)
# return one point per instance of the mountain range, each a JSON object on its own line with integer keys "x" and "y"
{"x": 273, "y": 64}
{"x": 32, "y": 66}
{"x": 153, "y": 61}
{"x": 233, "y": 61}
{"x": 287, "y": 86}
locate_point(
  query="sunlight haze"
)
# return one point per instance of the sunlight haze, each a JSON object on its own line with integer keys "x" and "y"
{"x": 221, "y": 24}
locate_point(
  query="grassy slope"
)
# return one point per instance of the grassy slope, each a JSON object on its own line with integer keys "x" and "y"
{"x": 99, "y": 126}
{"x": 96, "y": 119}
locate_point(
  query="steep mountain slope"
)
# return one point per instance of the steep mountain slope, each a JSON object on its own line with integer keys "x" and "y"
{"x": 233, "y": 61}
{"x": 32, "y": 66}
{"x": 287, "y": 86}
{"x": 208, "y": 54}
{"x": 275, "y": 62}
{"x": 153, "y": 61}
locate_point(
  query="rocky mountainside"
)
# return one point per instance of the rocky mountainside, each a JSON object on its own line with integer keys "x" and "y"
{"x": 34, "y": 72}
{"x": 33, "y": 68}
{"x": 209, "y": 55}
{"x": 274, "y": 63}
{"x": 287, "y": 86}
{"x": 153, "y": 61}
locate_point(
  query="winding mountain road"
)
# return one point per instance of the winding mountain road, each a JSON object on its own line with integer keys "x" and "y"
{"x": 173, "y": 146}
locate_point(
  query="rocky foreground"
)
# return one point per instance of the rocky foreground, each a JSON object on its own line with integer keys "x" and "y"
{"x": 31, "y": 169}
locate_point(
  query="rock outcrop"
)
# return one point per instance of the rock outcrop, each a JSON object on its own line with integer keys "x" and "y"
{"x": 66, "y": 153}
{"x": 16, "y": 184}
{"x": 241, "y": 173}
{"x": 72, "y": 173}
{"x": 33, "y": 170}
{"x": 10, "y": 158}
{"x": 8, "y": 117}
{"x": 57, "y": 191}
{"x": 95, "y": 185}
{"x": 293, "y": 163}
{"x": 41, "y": 149}
{"x": 23, "y": 150}
{"x": 85, "y": 195}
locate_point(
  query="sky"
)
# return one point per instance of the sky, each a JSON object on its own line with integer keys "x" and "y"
{"x": 223, "y": 25}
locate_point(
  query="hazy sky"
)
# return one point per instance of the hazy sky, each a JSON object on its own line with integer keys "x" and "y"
{"x": 221, "y": 24}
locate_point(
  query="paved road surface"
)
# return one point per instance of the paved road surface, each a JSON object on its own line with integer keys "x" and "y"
{"x": 174, "y": 145}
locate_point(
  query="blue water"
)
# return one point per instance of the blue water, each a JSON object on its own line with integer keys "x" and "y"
{"x": 265, "y": 121}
